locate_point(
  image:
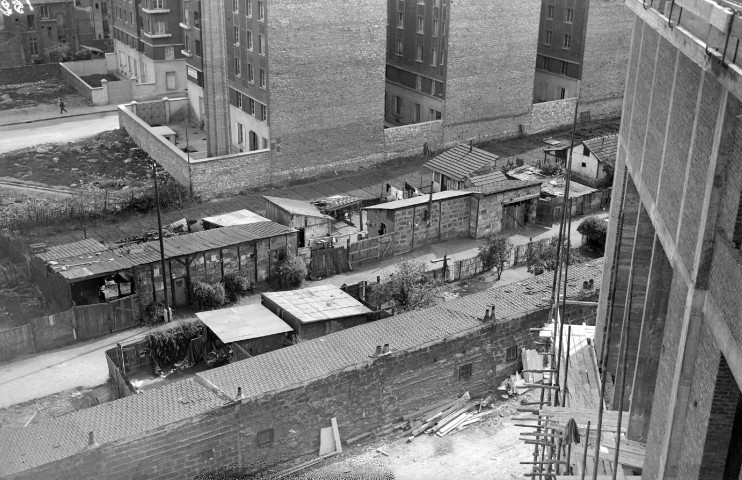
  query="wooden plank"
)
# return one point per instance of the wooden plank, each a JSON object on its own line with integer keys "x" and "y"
{"x": 336, "y": 435}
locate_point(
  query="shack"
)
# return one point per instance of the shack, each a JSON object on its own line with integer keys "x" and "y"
{"x": 206, "y": 256}
{"x": 250, "y": 329}
{"x": 593, "y": 162}
{"x": 301, "y": 215}
{"x": 230, "y": 219}
{"x": 317, "y": 311}
{"x": 451, "y": 168}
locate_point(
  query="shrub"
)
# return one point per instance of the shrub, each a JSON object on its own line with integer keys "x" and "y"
{"x": 595, "y": 230}
{"x": 495, "y": 253}
{"x": 170, "y": 345}
{"x": 154, "y": 313}
{"x": 544, "y": 259}
{"x": 408, "y": 288}
{"x": 208, "y": 295}
{"x": 289, "y": 274}
{"x": 236, "y": 285}
{"x": 551, "y": 169}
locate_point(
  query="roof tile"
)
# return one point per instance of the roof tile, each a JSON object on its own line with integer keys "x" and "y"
{"x": 460, "y": 161}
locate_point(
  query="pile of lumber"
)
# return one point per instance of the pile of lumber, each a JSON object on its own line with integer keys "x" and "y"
{"x": 445, "y": 417}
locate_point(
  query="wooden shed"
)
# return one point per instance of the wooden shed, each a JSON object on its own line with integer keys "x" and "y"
{"x": 317, "y": 311}
{"x": 252, "y": 328}
{"x": 230, "y": 219}
{"x": 301, "y": 215}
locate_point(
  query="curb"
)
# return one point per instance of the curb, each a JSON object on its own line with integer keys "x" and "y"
{"x": 52, "y": 118}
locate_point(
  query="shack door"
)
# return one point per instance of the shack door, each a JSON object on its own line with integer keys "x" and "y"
{"x": 180, "y": 292}
{"x": 544, "y": 213}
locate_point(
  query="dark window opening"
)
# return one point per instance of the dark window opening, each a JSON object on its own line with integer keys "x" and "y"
{"x": 265, "y": 438}
{"x": 465, "y": 372}
{"x": 511, "y": 354}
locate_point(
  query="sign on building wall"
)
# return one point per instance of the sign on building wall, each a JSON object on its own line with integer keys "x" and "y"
{"x": 192, "y": 72}
{"x": 17, "y": 6}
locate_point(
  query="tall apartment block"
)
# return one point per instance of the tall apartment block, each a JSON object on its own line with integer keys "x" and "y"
{"x": 97, "y": 14}
{"x": 561, "y": 42}
{"x": 417, "y": 43}
{"x": 148, "y": 43}
{"x": 670, "y": 325}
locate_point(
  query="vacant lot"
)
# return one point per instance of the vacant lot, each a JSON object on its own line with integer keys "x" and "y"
{"x": 31, "y": 94}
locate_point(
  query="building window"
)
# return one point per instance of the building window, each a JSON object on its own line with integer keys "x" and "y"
{"x": 435, "y": 27}
{"x": 187, "y": 43}
{"x": 198, "y": 48}
{"x": 239, "y": 100}
{"x": 418, "y": 82}
{"x": 261, "y": 11}
{"x": 261, "y": 44}
{"x": 265, "y": 144}
{"x": 419, "y": 53}
{"x": 546, "y": 63}
{"x": 169, "y": 53}
{"x": 263, "y": 112}
{"x": 561, "y": 93}
{"x": 251, "y": 104}
{"x": 564, "y": 68}
{"x": 250, "y": 73}
{"x": 236, "y": 34}
{"x": 248, "y": 39}
{"x": 262, "y": 78}
{"x": 550, "y": 12}
{"x": 570, "y": 15}
{"x": 584, "y": 164}
{"x": 399, "y": 47}
{"x": 397, "y": 105}
{"x": 443, "y": 27}
{"x": 265, "y": 438}
{"x": 44, "y": 11}
{"x": 443, "y": 57}
{"x": 197, "y": 19}
{"x": 465, "y": 372}
{"x": 400, "y": 19}
{"x": 416, "y": 114}
{"x": 160, "y": 28}
{"x": 31, "y": 22}
{"x": 435, "y": 115}
{"x": 420, "y": 24}
{"x": 240, "y": 134}
{"x": 33, "y": 45}
{"x": 158, "y": 4}
{"x": 236, "y": 6}
{"x": 567, "y": 41}
{"x": 547, "y": 37}
{"x": 511, "y": 354}
{"x": 237, "y": 67}
{"x": 434, "y": 59}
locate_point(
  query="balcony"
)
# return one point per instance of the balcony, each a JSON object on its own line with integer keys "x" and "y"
{"x": 184, "y": 26}
{"x": 157, "y": 35}
{"x": 155, "y": 10}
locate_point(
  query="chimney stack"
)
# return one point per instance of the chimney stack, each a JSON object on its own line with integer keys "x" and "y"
{"x": 378, "y": 349}
{"x": 591, "y": 284}
{"x": 585, "y": 285}
{"x": 91, "y": 441}
{"x": 386, "y": 348}
{"x": 471, "y": 145}
{"x": 486, "y": 315}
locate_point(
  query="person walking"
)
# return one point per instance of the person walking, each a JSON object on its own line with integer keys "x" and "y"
{"x": 61, "y": 106}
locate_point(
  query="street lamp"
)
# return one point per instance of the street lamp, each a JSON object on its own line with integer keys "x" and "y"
{"x": 168, "y": 312}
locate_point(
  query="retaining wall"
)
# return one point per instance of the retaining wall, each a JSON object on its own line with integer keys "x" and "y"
{"x": 554, "y": 114}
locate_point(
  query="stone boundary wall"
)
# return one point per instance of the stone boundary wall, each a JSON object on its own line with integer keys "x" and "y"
{"x": 96, "y": 95}
{"x": 29, "y": 73}
{"x": 551, "y": 115}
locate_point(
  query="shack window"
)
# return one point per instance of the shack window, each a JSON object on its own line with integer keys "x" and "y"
{"x": 465, "y": 372}
{"x": 265, "y": 438}
{"x": 426, "y": 215}
{"x": 511, "y": 354}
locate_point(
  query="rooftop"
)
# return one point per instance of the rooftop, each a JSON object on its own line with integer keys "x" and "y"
{"x": 243, "y": 323}
{"x": 336, "y": 202}
{"x": 82, "y": 247}
{"x": 419, "y": 200}
{"x": 239, "y": 217}
{"x": 495, "y": 181}
{"x": 110, "y": 261}
{"x": 555, "y": 188}
{"x": 604, "y": 148}
{"x": 460, "y": 161}
{"x": 297, "y": 207}
{"x": 315, "y": 304}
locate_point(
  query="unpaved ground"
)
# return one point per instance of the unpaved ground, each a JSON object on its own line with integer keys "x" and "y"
{"x": 31, "y": 94}
{"x": 20, "y": 300}
{"x": 52, "y": 406}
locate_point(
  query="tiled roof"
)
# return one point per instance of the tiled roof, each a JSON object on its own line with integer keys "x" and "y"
{"x": 25, "y": 448}
{"x": 315, "y": 304}
{"x": 110, "y": 261}
{"x": 351, "y": 348}
{"x": 297, "y": 207}
{"x": 458, "y": 162}
{"x": 83, "y": 247}
{"x": 604, "y": 148}
{"x": 496, "y": 181}
{"x": 419, "y": 200}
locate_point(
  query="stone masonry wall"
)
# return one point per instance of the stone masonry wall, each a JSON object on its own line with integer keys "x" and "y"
{"x": 550, "y": 115}
{"x": 448, "y": 219}
{"x": 491, "y": 59}
{"x": 605, "y": 58}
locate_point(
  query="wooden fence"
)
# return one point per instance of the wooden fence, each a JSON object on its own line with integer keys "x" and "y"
{"x": 374, "y": 248}
{"x": 521, "y": 252}
{"x": 104, "y": 318}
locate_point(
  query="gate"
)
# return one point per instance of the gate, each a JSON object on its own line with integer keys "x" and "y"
{"x": 124, "y": 313}
{"x": 374, "y": 248}
{"x": 544, "y": 213}
{"x": 328, "y": 262}
{"x": 105, "y": 318}
{"x": 512, "y": 216}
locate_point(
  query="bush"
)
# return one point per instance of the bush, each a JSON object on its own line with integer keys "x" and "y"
{"x": 208, "y": 296}
{"x": 408, "y": 288}
{"x": 154, "y": 313}
{"x": 236, "y": 285}
{"x": 544, "y": 259}
{"x": 289, "y": 274}
{"x": 550, "y": 170}
{"x": 595, "y": 230}
{"x": 495, "y": 253}
{"x": 170, "y": 345}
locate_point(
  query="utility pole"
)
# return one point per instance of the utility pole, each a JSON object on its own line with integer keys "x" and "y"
{"x": 168, "y": 313}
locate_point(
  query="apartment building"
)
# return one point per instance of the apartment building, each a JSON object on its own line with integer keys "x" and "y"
{"x": 417, "y": 45}
{"x": 97, "y": 19}
{"x": 561, "y": 42}
{"x": 148, "y": 42}
{"x": 672, "y": 346}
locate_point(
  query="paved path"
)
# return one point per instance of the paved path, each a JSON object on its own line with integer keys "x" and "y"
{"x": 58, "y": 130}
{"x": 83, "y": 364}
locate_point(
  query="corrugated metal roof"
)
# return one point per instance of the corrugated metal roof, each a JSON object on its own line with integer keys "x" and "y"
{"x": 419, "y": 200}
{"x": 239, "y": 217}
{"x": 37, "y": 444}
{"x": 576, "y": 190}
{"x": 315, "y": 304}
{"x": 297, "y": 207}
{"x": 83, "y": 247}
{"x": 111, "y": 261}
{"x": 243, "y": 323}
{"x": 604, "y": 148}
{"x": 458, "y": 162}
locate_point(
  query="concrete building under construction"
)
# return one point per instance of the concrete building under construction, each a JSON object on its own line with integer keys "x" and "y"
{"x": 669, "y": 324}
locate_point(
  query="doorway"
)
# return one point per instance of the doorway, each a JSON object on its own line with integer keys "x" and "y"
{"x": 180, "y": 292}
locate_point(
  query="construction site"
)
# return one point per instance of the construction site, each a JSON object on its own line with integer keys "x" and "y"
{"x": 622, "y": 368}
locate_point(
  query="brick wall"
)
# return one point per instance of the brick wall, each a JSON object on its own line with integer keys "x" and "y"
{"x": 605, "y": 58}
{"x": 409, "y": 140}
{"x": 28, "y": 73}
{"x": 554, "y": 114}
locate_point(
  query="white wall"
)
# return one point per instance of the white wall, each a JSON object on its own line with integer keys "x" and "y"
{"x": 546, "y": 85}
{"x": 249, "y": 123}
{"x": 409, "y": 98}
{"x": 592, "y": 168}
